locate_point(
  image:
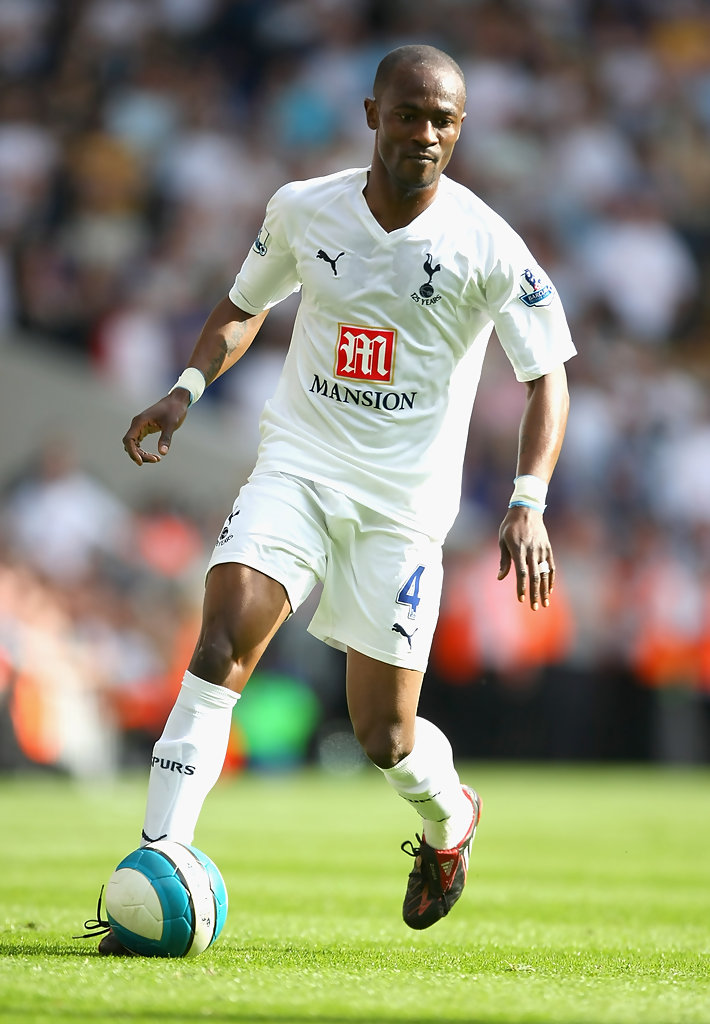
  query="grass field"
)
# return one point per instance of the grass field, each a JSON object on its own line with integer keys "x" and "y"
{"x": 588, "y": 901}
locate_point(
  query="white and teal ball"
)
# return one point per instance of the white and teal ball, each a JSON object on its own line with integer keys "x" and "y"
{"x": 166, "y": 899}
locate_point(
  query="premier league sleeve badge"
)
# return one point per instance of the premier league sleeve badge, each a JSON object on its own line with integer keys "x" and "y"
{"x": 536, "y": 289}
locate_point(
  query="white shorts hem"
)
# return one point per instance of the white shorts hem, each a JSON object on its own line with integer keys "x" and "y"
{"x": 251, "y": 563}
{"x": 387, "y": 657}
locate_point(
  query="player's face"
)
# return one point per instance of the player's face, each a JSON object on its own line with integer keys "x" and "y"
{"x": 418, "y": 120}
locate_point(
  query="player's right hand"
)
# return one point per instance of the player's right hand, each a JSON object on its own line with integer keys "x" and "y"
{"x": 164, "y": 417}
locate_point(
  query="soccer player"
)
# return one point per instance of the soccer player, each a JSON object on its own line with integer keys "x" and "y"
{"x": 403, "y": 274}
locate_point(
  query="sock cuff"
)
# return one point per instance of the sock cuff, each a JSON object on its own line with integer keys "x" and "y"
{"x": 431, "y": 749}
{"x": 210, "y": 694}
{"x": 404, "y": 771}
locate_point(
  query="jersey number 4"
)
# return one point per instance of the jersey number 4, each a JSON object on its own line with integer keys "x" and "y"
{"x": 409, "y": 592}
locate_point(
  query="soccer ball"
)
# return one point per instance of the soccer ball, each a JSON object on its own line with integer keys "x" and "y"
{"x": 166, "y": 899}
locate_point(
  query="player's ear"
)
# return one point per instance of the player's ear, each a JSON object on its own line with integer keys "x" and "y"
{"x": 371, "y": 114}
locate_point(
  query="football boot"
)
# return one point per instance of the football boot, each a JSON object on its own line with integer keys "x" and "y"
{"x": 109, "y": 944}
{"x": 437, "y": 879}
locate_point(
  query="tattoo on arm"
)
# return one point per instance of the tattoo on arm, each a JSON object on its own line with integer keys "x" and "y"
{"x": 216, "y": 363}
{"x": 235, "y": 336}
{"x": 229, "y": 343}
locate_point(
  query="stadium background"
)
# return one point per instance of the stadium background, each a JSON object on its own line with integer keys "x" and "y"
{"x": 139, "y": 140}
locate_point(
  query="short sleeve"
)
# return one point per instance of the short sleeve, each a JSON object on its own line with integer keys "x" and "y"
{"x": 269, "y": 273}
{"x": 527, "y": 313}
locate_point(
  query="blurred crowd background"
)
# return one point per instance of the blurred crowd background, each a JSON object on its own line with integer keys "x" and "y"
{"x": 139, "y": 142}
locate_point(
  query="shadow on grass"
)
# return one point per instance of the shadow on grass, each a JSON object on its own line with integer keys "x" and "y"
{"x": 257, "y": 957}
{"x": 248, "y": 1016}
{"x": 286, "y": 956}
{"x": 34, "y": 947}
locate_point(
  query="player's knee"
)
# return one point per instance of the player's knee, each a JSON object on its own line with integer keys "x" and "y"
{"x": 214, "y": 659}
{"x": 384, "y": 744}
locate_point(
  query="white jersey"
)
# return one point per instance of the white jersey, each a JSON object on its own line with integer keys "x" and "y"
{"x": 377, "y": 387}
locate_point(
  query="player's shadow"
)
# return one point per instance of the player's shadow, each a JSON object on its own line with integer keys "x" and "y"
{"x": 235, "y": 1016}
{"x": 34, "y": 947}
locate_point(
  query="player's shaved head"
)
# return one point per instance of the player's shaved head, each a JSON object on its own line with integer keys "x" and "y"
{"x": 413, "y": 56}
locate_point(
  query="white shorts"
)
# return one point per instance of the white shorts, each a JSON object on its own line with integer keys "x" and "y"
{"x": 381, "y": 580}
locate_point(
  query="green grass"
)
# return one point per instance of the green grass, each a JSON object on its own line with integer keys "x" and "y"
{"x": 588, "y": 901}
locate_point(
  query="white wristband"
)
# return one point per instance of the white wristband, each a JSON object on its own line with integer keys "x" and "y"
{"x": 193, "y": 381}
{"x": 529, "y": 491}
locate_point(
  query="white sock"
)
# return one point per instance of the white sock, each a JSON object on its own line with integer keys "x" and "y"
{"x": 187, "y": 759}
{"x": 426, "y": 779}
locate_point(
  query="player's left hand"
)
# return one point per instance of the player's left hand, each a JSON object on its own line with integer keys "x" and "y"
{"x": 164, "y": 418}
{"x": 524, "y": 544}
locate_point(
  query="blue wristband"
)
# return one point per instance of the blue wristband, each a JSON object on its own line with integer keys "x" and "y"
{"x": 527, "y": 504}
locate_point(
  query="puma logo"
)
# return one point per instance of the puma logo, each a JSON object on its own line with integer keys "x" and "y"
{"x": 146, "y": 838}
{"x": 323, "y": 255}
{"x": 399, "y": 629}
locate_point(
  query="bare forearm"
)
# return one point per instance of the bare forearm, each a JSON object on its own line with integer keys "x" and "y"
{"x": 542, "y": 427}
{"x": 224, "y": 339}
{"x": 227, "y": 334}
{"x": 523, "y": 538}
